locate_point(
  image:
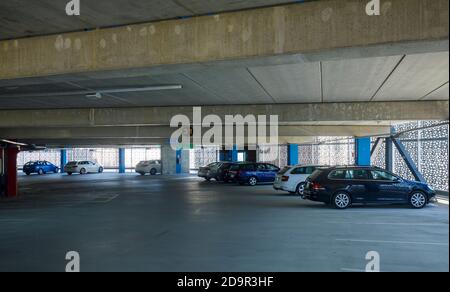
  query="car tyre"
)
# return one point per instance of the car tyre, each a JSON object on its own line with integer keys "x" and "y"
{"x": 342, "y": 200}
{"x": 41, "y": 171}
{"x": 100, "y": 170}
{"x": 252, "y": 181}
{"x": 142, "y": 173}
{"x": 69, "y": 173}
{"x": 27, "y": 173}
{"x": 301, "y": 189}
{"x": 83, "y": 171}
{"x": 418, "y": 200}
{"x": 153, "y": 171}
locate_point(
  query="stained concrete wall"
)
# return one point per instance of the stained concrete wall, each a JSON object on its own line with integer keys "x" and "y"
{"x": 283, "y": 30}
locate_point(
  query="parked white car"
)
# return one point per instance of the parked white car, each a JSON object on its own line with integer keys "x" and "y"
{"x": 82, "y": 167}
{"x": 292, "y": 179}
{"x": 152, "y": 167}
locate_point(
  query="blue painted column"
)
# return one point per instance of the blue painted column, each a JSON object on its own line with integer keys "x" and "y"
{"x": 234, "y": 154}
{"x": 179, "y": 154}
{"x": 63, "y": 160}
{"x": 292, "y": 154}
{"x": 122, "y": 167}
{"x": 362, "y": 150}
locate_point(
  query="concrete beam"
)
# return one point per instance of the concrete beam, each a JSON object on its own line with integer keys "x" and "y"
{"x": 288, "y": 114}
{"x": 158, "y": 132}
{"x": 276, "y": 31}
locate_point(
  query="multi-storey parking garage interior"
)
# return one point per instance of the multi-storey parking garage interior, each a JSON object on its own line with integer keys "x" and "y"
{"x": 88, "y": 170}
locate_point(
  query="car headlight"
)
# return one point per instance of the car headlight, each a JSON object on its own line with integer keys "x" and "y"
{"x": 431, "y": 188}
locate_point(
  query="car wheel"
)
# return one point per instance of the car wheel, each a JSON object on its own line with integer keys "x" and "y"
{"x": 100, "y": 170}
{"x": 153, "y": 171}
{"x": 301, "y": 189}
{"x": 418, "y": 200}
{"x": 40, "y": 172}
{"x": 341, "y": 201}
{"x": 207, "y": 178}
{"x": 142, "y": 173}
{"x": 27, "y": 173}
{"x": 83, "y": 171}
{"x": 69, "y": 173}
{"x": 253, "y": 181}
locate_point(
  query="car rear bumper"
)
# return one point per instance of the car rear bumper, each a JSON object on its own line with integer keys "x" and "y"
{"x": 317, "y": 196}
{"x": 282, "y": 187}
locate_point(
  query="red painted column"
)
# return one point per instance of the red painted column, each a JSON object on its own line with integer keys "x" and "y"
{"x": 12, "y": 189}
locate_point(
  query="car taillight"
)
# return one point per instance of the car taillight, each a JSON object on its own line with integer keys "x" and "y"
{"x": 316, "y": 186}
{"x": 285, "y": 178}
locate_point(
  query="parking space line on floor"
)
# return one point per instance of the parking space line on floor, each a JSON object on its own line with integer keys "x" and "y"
{"x": 443, "y": 202}
{"x": 352, "y": 270}
{"x": 389, "y": 223}
{"x": 393, "y": 242}
{"x": 107, "y": 200}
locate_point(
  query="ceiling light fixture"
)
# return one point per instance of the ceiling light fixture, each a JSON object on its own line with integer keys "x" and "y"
{"x": 96, "y": 93}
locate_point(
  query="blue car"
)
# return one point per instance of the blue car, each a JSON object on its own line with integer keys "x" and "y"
{"x": 252, "y": 173}
{"x": 345, "y": 186}
{"x": 39, "y": 167}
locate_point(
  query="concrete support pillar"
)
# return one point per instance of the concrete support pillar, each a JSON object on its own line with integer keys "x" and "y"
{"x": 363, "y": 147}
{"x": 63, "y": 160}
{"x": 12, "y": 189}
{"x": 293, "y": 154}
{"x": 122, "y": 167}
{"x": 174, "y": 161}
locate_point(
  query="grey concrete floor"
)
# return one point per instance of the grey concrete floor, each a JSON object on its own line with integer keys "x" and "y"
{"x": 133, "y": 223}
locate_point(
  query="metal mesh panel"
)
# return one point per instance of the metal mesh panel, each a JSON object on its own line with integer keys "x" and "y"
{"x": 201, "y": 156}
{"x": 379, "y": 156}
{"x": 328, "y": 151}
{"x": 265, "y": 154}
{"x": 135, "y": 155}
{"x": 50, "y": 155}
{"x": 429, "y": 150}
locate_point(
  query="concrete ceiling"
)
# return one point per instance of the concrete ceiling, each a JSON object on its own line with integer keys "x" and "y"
{"x": 22, "y": 18}
{"x": 392, "y": 78}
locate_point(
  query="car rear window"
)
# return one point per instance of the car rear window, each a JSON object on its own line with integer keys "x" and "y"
{"x": 316, "y": 174}
{"x": 284, "y": 170}
{"x": 72, "y": 163}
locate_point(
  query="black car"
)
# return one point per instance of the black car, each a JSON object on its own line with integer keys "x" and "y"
{"x": 221, "y": 173}
{"x": 206, "y": 171}
{"x": 344, "y": 186}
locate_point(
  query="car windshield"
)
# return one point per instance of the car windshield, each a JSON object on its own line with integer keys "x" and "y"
{"x": 72, "y": 163}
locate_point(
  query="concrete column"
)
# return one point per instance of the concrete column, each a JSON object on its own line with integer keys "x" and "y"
{"x": 122, "y": 167}
{"x": 174, "y": 162}
{"x": 63, "y": 160}
{"x": 362, "y": 150}
{"x": 12, "y": 189}
{"x": 292, "y": 154}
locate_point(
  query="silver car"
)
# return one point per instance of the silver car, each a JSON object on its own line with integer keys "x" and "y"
{"x": 152, "y": 167}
